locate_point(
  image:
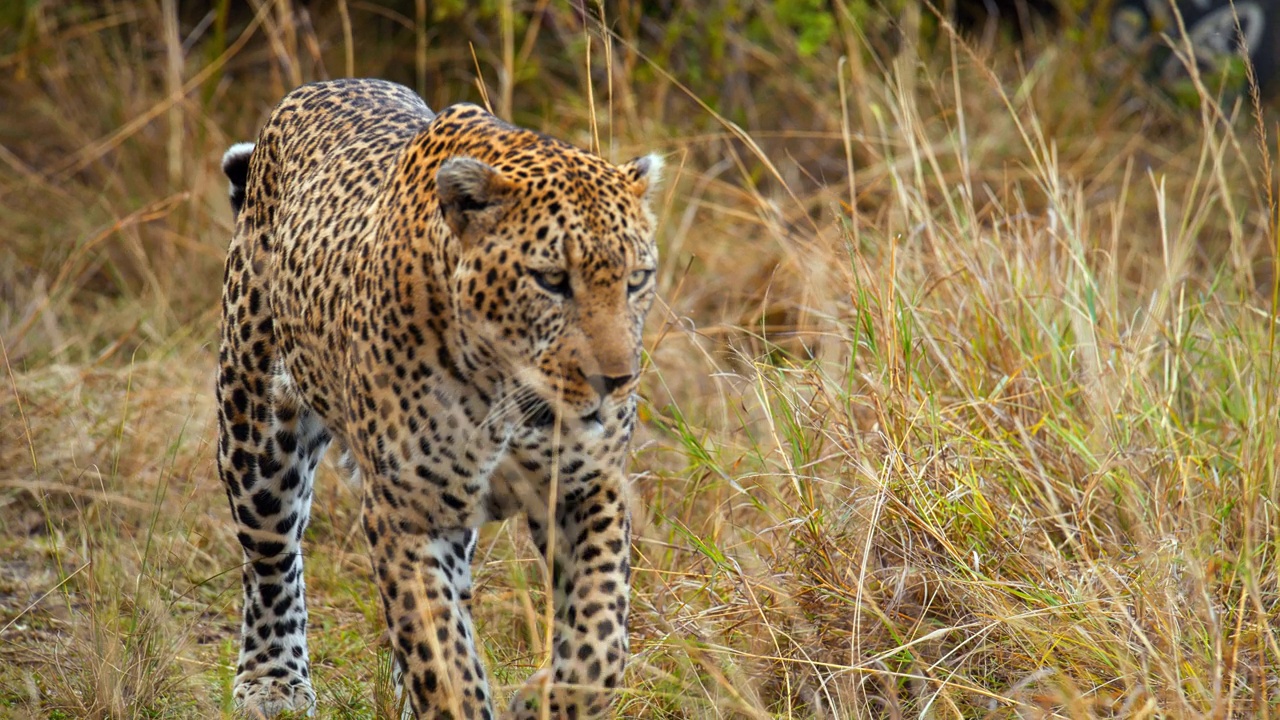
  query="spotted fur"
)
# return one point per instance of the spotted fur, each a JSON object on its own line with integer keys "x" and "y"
{"x": 459, "y": 303}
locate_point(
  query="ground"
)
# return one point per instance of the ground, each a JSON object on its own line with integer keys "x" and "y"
{"x": 960, "y": 397}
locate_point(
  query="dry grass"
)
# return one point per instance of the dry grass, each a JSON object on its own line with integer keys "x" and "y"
{"x": 986, "y": 427}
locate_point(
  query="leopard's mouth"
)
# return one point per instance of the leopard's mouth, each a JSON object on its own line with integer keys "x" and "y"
{"x": 538, "y": 401}
{"x": 538, "y": 413}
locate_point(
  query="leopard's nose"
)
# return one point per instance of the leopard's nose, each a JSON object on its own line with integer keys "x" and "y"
{"x": 605, "y": 384}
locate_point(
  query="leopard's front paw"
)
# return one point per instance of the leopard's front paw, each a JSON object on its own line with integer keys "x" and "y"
{"x": 526, "y": 703}
{"x": 265, "y": 697}
{"x": 560, "y": 700}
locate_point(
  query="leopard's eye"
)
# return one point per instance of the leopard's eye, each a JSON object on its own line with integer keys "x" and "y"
{"x": 638, "y": 279}
{"x": 553, "y": 281}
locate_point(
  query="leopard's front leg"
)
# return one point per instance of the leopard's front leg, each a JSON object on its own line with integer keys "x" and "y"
{"x": 591, "y": 567}
{"x": 424, "y": 576}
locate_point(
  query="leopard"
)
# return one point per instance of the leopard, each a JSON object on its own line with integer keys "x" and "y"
{"x": 458, "y": 303}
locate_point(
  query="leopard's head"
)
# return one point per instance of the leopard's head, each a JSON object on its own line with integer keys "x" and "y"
{"x": 557, "y": 262}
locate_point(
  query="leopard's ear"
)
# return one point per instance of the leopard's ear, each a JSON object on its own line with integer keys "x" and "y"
{"x": 645, "y": 173}
{"x": 472, "y": 196}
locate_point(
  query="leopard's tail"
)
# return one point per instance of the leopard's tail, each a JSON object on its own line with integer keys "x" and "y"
{"x": 235, "y": 165}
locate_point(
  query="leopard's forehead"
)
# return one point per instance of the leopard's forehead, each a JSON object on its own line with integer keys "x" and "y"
{"x": 581, "y": 206}
{"x": 525, "y": 155}
{"x": 551, "y": 173}
{"x": 574, "y": 205}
